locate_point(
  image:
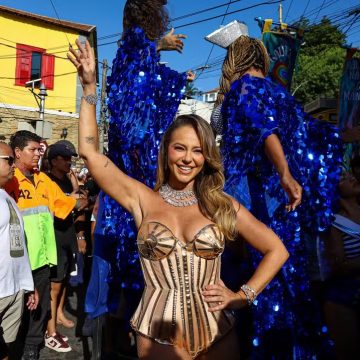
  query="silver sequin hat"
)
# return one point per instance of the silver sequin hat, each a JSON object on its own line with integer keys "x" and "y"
{"x": 227, "y": 34}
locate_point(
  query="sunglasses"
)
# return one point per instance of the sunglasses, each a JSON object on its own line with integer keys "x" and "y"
{"x": 9, "y": 159}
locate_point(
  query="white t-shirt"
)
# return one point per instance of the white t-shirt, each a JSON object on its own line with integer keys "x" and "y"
{"x": 15, "y": 271}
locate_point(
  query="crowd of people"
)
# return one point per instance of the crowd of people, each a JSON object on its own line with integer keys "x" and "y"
{"x": 44, "y": 230}
{"x": 174, "y": 208}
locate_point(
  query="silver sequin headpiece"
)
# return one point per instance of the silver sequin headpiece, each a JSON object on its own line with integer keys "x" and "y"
{"x": 227, "y": 34}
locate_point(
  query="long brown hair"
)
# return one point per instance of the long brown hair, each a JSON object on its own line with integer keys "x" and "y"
{"x": 244, "y": 53}
{"x": 150, "y": 15}
{"x": 209, "y": 183}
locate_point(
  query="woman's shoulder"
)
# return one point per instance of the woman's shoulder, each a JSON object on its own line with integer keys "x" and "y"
{"x": 134, "y": 30}
{"x": 234, "y": 202}
{"x": 248, "y": 84}
{"x": 135, "y": 35}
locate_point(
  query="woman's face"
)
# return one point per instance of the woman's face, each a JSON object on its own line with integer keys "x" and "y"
{"x": 185, "y": 157}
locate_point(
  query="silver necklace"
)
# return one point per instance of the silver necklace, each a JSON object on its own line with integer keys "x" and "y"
{"x": 178, "y": 198}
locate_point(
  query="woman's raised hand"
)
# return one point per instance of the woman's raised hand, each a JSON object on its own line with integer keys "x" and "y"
{"x": 84, "y": 60}
{"x": 190, "y": 76}
{"x": 171, "y": 41}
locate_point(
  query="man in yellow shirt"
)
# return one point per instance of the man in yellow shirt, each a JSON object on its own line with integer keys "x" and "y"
{"x": 39, "y": 199}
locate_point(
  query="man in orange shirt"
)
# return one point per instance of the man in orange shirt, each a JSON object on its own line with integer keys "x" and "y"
{"x": 39, "y": 199}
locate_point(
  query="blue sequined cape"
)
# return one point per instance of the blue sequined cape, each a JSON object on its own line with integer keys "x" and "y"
{"x": 143, "y": 97}
{"x": 253, "y": 109}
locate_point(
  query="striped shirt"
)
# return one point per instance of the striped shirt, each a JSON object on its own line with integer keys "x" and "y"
{"x": 351, "y": 246}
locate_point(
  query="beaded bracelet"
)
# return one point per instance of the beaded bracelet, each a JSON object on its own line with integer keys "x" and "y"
{"x": 250, "y": 293}
{"x": 80, "y": 237}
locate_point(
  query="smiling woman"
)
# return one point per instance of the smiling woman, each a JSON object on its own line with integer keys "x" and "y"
{"x": 185, "y": 304}
{"x": 188, "y": 151}
{"x": 143, "y": 97}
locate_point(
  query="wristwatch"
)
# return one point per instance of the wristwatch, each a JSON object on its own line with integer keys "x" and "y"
{"x": 91, "y": 99}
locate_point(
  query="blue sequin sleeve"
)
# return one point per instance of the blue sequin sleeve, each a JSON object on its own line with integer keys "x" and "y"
{"x": 252, "y": 104}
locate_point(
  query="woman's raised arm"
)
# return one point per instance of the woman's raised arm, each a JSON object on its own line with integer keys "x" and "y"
{"x": 125, "y": 190}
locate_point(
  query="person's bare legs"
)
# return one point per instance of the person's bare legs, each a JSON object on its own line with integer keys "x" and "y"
{"x": 226, "y": 348}
{"x": 60, "y": 316}
{"x": 54, "y": 297}
{"x": 344, "y": 327}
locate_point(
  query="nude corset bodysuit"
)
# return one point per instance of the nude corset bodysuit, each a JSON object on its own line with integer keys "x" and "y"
{"x": 172, "y": 309}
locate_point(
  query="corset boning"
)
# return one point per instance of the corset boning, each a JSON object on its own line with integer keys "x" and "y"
{"x": 172, "y": 310}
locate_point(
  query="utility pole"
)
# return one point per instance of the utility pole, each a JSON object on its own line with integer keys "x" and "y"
{"x": 41, "y": 96}
{"x": 43, "y": 128}
{"x": 103, "y": 108}
{"x": 280, "y": 13}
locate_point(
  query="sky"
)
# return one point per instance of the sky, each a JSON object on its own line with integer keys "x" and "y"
{"x": 106, "y": 15}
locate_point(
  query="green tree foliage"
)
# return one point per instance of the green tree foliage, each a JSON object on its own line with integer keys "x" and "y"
{"x": 191, "y": 91}
{"x": 320, "y": 62}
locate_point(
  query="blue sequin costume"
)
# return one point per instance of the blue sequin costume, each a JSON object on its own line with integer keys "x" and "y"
{"x": 253, "y": 109}
{"x": 143, "y": 97}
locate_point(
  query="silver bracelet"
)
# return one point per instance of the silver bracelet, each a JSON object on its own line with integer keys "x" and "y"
{"x": 91, "y": 99}
{"x": 80, "y": 237}
{"x": 250, "y": 293}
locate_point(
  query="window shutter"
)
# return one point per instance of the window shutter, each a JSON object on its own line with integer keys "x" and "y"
{"x": 23, "y": 64}
{"x": 47, "y": 71}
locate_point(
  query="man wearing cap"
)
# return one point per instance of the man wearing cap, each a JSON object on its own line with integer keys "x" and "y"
{"x": 38, "y": 198}
{"x": 59, "y": 157}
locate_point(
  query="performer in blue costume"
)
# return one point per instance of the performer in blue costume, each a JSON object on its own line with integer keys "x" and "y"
{"x": 268, "y": 142}
{"x": 143, "y": 97}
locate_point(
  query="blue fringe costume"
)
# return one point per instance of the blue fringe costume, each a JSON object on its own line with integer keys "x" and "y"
{"x": 253, "y": 109}
{"x": 143, "y": 97}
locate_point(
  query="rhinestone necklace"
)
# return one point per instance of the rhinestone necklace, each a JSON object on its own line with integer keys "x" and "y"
{"x": 178, "y": 198}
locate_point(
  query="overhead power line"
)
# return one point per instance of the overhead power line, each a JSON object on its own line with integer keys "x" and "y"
{"x": 58, "y": 17}
{"x": 307, "y": 5}
{"x": 45, "y": 76}
{"x": 321, "y": 7}
{"x": 230, "y": 13}
{"x": 5, "y": 57}
{"x": 340, "y": 16}
{"x": 120, "y": 33}
{"x": 288, "y": 10}
{"x": 65, "y": 47}
{"x": 271, "y": 2}
{"x": 205, "y": 10}
{"x": 308, "y": 14}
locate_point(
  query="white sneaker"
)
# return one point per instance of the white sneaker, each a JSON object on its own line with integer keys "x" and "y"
{"x": 57, "y": 343}
{"x": 64, "y": 337}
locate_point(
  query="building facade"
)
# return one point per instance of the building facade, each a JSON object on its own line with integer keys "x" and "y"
{"x": 32, "y": 55}
{"x": 210, "y": 96}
